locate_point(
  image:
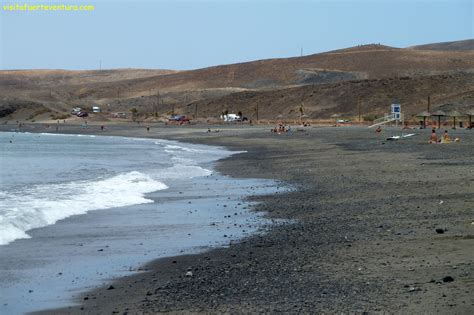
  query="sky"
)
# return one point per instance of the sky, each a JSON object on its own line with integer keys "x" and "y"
{"x": 181, "y": 35}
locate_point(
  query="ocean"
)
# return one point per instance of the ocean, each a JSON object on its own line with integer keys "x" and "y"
{"x": 48, "y": 177}
{"x": 78, "y": 210}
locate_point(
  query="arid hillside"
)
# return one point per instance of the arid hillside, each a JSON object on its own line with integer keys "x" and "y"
{"x": 370, "y": 97}
{"x": 29, "y": 78}
{"x": 365, "y": 62}
{"x": 461, "y": 45}
{"x": 340, "y": 81}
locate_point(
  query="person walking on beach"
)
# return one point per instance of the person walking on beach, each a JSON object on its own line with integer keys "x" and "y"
{"x": 147, "y": 129}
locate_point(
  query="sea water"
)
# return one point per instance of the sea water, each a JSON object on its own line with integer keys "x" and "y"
{"x": 46, "y": 177}
{"x": 77, "y": 211}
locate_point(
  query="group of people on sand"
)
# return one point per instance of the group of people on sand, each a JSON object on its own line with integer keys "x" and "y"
{"x": 379, "y": 129}
{"x": 445, "y": 138}
{"x": 280, "y": 128}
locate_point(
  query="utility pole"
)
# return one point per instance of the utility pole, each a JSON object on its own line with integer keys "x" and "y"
{"x": 257, "y": 111}
{"x": 358, "y": 109}
{"x": 231, "y": 76}
{"x": 429, "y": 103}
{"x": 301, "y": 55}
{"x": 155, "y": 109}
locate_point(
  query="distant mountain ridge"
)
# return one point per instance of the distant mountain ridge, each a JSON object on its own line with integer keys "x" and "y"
{"x": 460, "y": 45}
{"x": 374, "y": 73}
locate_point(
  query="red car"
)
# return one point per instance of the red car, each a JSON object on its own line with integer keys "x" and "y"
{"x": 179, "y": 118}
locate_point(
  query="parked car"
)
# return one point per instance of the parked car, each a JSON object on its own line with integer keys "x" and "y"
{"x": 120, "y": 115}
{"x": 233, "y": 118}
{"x": 76, "y": 110}
{"x": 179, "y": 118}
{"x": 82, "y": 114}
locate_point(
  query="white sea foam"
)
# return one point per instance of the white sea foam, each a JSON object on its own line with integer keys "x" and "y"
{"x": 43, "y": 205}
{"x": 40, "y": 201}
{"x": 171, "y": 148}
{"x": 61, "y": 135}
{"x": 181, "y": 171}
{"x": 175, "y": 148}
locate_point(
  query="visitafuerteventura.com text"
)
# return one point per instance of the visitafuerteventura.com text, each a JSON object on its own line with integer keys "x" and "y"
{"x": 26, "y": 7}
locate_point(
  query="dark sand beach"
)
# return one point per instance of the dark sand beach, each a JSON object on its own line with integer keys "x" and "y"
{"x": 374, "y": 226}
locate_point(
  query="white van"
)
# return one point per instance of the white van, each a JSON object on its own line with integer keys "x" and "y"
{"x": 95, "y": 109}
{"x": 230, "y": 117}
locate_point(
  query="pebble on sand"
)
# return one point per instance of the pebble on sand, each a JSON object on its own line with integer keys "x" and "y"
{"x": 448, "y": 279}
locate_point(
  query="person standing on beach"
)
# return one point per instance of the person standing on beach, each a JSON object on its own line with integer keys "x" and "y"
{"x": 433, "y": 137}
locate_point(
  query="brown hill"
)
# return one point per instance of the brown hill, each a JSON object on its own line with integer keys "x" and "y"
{"x": 372, "y": 96}
{"x": 364, "y": 62}
{"x": 337, "y": 66}
{"x": 461, "y": 45}
{"x": 335, "y": 76}
{"x": 46, "y": 78}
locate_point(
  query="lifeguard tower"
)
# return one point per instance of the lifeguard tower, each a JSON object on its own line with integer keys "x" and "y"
{"x": 395, "y": 116}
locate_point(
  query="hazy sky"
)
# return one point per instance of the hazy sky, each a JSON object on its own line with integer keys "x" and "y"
{"x": 180, "y": 35}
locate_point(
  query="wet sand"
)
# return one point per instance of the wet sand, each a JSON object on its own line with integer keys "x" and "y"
{"x": 378, "y": 226}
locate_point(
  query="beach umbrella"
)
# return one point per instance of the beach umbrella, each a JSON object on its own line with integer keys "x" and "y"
{"x": 303, "y": 116}
{"x": 454, "y": 114}
{"x": 279, "y": 118}
{"x": 438, "y": 114}
{"x": 470, "y": 113}
{"x": 424, "y": 115}
{"x": 335, "y": 117}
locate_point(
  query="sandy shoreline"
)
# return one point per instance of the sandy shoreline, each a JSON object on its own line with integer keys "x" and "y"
{"x": 367, "y": 211}
{"x": 81, "y": 252}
